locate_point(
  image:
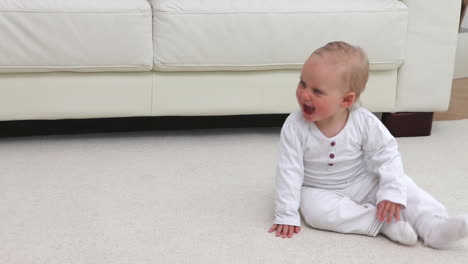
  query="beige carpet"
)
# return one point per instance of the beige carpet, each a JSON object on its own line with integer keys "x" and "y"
{"x": 191, "y": 197}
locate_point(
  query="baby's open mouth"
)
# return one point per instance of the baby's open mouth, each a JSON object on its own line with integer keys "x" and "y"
{"x": 309, "y": 109}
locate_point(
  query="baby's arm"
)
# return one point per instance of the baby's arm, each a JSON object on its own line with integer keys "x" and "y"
{"x": 289, "y": 177}
{"x": 384, "y": 159}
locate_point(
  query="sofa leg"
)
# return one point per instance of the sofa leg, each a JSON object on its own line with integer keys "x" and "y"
{"x": 408, "y": 124}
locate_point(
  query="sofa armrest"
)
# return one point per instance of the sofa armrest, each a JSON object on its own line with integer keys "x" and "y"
{"x": 425, "y": 78}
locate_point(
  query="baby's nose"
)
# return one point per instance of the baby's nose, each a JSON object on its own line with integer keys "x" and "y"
{"x": 306, "y": 95}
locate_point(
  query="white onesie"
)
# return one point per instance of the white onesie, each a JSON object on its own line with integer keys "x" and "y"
{"x": 337, "y": 182}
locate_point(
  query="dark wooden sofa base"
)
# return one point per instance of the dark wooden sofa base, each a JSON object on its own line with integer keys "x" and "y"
{"x": 399, "y": 124}
{"x": 403, "y": 124}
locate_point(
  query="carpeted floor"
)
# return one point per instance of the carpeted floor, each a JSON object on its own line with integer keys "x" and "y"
{"x": 201, "y": 196}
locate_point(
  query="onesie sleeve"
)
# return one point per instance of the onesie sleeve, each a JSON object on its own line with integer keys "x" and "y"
{"x": 384, "y": 159}
{"x": 289, "y": 177}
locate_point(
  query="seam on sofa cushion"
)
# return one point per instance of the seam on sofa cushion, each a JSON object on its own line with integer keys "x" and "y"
{"x": 279, "y": 13}
{"x": 119, "y": 11}
{"x": 90, "y": 66}
{"x": 375, "y": 66}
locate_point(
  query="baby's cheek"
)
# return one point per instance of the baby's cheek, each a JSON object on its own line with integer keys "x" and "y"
{"x": 298, "y": 93}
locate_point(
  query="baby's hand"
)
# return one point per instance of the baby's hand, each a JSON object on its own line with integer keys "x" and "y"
{"x": 387, "y": 209}
{"x": 285, "y": 230}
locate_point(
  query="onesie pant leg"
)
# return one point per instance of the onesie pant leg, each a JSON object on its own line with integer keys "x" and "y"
{"x": 422, "y": 209}
{"x": 333, "y": 211}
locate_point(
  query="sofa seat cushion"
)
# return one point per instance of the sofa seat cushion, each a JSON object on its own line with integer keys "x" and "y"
{"x": 198, "y": 35}
{"x": 75, "y": 35}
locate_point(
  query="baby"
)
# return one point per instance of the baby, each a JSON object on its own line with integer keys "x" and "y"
{"x": 340, "y": 167}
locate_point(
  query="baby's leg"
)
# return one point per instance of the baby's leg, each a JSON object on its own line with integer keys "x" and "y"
{"x": 430, "y": 219}
{"x": 332, "y": 211}
{"x": 399, "y": 231}
{"x": 446, "y": 230}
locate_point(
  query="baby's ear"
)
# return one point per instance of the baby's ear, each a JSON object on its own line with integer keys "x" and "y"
{"x": 348, "y": 99}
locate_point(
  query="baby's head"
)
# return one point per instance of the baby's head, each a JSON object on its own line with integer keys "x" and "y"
{"x": 351, "y": 64}
{"x": 332, "y": 80}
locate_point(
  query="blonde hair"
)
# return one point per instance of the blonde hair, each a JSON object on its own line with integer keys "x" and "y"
{"x": 352, "y": 61}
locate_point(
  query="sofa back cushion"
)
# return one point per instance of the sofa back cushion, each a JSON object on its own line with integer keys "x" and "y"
{"x": 191, "y": 35}
{"x": 75, "y": 35}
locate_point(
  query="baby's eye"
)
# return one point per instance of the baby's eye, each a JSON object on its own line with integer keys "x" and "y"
{"x": 317, "y": 91}
{"x": 301, "y": 83}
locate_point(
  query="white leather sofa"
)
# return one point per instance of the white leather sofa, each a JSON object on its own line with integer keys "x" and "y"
{"x": 62, "y": 59}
